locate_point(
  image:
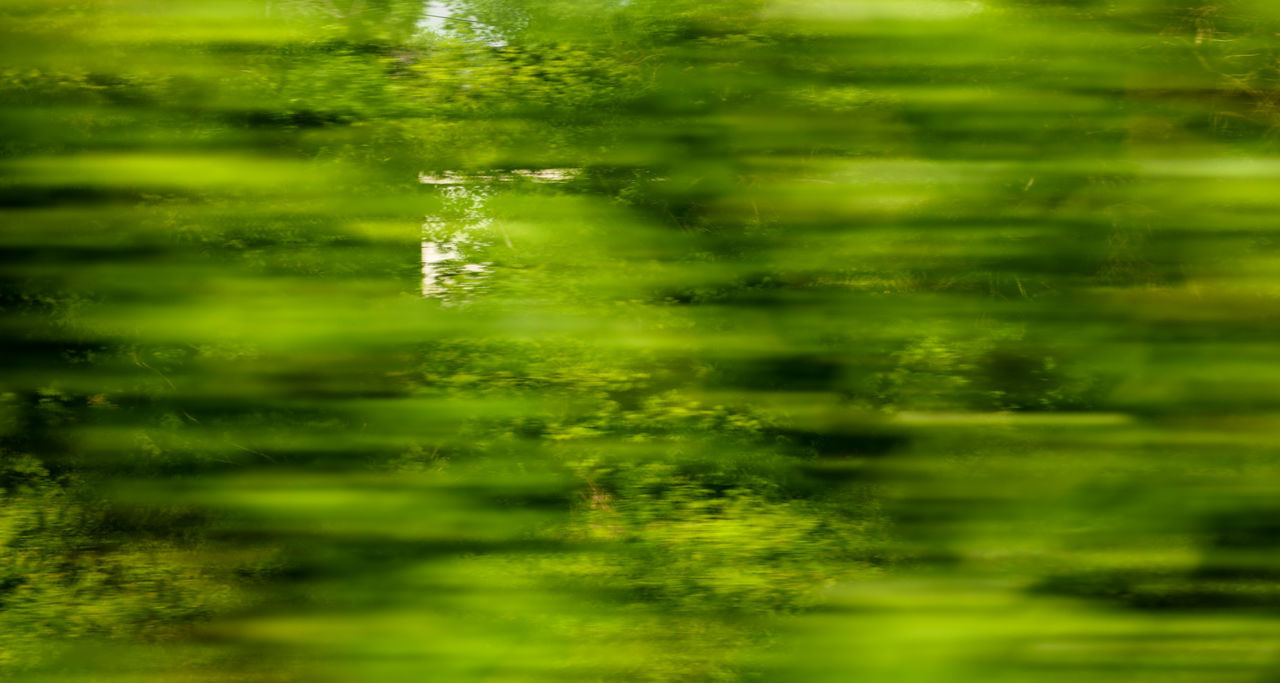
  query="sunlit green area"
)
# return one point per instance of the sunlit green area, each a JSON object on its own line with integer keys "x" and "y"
{"x": 640, "y": 340}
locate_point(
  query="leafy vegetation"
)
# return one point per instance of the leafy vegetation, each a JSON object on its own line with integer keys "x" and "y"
{"x": 631, "y": 340}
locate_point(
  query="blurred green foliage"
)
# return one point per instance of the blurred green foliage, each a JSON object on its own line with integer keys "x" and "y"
{"x": 632, "y": 340}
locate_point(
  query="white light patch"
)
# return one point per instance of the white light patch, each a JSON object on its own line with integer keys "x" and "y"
{"x": 874, "y": 10}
